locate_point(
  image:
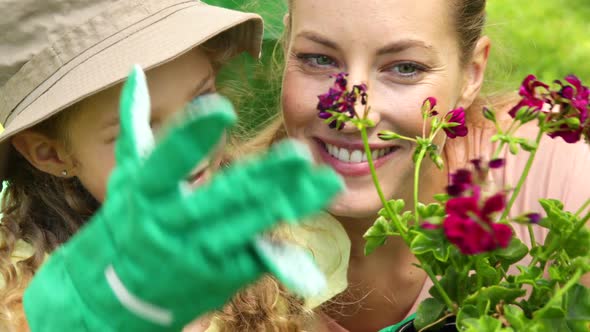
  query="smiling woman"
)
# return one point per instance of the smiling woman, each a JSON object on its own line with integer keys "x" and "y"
{"x": 402, "y": 52}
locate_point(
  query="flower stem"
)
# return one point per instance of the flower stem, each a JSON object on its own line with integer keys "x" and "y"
{"x": 561, "y": 292}
{"x": 401, "y": 229}
{"x": 583, "y": 207}
{"x": 440, "y": 289}
{"x": 532, "y": 236}
{"x": 524, "y": 175}
{"x": 417, "y": 182}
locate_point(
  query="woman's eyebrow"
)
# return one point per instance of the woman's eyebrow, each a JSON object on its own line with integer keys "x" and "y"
{"x": 402, "y": 45}
{"x": 317, "y": 38}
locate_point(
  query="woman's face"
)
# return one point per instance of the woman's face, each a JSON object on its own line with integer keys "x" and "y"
{"x": 94, "y": 127}
{"x": 405, "y": 51}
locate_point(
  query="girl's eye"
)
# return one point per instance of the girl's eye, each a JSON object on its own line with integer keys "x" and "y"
{"x": 317, "y": 60}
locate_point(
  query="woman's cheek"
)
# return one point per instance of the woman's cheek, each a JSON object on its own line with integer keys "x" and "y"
{"x": 299, "y": 104}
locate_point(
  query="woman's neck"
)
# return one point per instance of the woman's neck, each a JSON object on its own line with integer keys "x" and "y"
{"x": 384, "y": 285}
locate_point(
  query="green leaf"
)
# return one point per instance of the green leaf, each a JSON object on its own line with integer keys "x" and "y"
{"x": 516, "y": 317}
{"x": 484, "y": 324}
{"x": 431, "y": 210}
{"x": 494, "y": 294}
{"x": 578, "y": 243}
{"x": 442, "y": 198}
{"x": 467, "y": 311}
{"x": 515, "y": 251}
{"x": 558, "y": 221}
{"x": 578, "y": 304}
{"x": 377, "y": 234}
{"x": 429, "y": 311}
{"x": 429, "y": 241}
{"x": 487, "y": 274}
{"x": 528, "y": 275}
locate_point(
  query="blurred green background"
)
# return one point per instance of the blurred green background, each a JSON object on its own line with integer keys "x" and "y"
{"x": 550, "y": 39}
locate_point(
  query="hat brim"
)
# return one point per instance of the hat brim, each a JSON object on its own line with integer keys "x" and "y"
{"x": 150, "y": 46}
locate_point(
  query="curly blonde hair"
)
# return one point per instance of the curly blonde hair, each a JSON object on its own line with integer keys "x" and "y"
{"x": 44, "y": 211}
{"x": 41, "y": 210}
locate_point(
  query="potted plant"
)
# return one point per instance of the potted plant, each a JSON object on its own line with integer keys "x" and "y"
{"x": 465, "y": 237}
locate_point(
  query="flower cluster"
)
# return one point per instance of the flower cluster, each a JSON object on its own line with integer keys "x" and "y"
{"x": 565, "y": 108}
{"x": 464, "y": 240}
{"x": 337, "y": 106}
{"x": 469, "y": 223}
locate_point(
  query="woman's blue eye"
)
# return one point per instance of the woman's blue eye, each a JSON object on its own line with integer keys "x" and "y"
{"x": 316, "y": 60}
{"x": 407, "y": 69}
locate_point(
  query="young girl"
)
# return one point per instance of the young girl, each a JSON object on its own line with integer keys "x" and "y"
{"x": 144, "y": 249}
{"x": 404, "y": 52}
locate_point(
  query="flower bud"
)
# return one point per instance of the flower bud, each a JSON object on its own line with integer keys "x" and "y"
{"x": 489, "y": 114}
{"x": 573, "y": 123}
{"x": 387, "y": 135}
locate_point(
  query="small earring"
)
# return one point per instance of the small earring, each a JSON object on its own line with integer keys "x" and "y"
{"x": 64, "y": 173}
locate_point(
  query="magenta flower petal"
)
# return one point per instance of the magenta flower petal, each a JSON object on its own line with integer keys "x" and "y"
{"x": 502, "y": 234}
{"x": 496, "y": 163}
{"x": 456, "y": 116}
{"x": 534, "y": 218}
{"x": 495, "y": 203}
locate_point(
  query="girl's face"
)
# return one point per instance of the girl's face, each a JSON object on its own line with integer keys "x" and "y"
{"x": 94, "y": 126}
{"x": 405, "y": 51}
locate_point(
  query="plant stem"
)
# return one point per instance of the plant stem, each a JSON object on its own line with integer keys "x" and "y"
{"x": 524, "y": 175}
{"x": 583, "y": 207}
{"x": 440, "y": 289}
{"x": 400, "y": 228}
{"x": 559, "y": 294}
{"x": 417, "y": 182}
{"x": 532, "y": 237}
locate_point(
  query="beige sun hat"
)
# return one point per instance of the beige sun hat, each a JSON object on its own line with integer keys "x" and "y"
{"x": 54, "y": 53}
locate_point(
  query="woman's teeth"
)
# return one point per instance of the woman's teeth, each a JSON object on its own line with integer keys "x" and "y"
{"x": 355, "y": 156}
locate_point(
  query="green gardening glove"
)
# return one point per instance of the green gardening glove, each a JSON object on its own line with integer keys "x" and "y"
{"x": 158, "y": 254}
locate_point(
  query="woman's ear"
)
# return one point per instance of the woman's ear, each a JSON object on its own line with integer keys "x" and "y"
{"x": 474, "y": 72}
{"x": 46, "y": 154}
{"x": 286, "y": 19}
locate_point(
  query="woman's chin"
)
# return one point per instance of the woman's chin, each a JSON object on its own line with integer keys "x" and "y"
{"x": 362, "y": 210}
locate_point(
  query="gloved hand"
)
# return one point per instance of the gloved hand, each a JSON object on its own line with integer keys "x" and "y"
{"x": 157, "y": 254}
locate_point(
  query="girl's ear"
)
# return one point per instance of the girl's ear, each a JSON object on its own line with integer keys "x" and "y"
{"x": 474, "y": 72}
{"x": 46, "y": 154}
{"x": 286, "y": 19}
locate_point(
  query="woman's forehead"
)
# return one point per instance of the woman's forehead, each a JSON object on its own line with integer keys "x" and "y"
{"x": 355, "y": 20}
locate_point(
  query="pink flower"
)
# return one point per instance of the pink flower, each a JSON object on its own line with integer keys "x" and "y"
{"x": 531, "y": 98}
{"x": 456, "y": 117}
{"x": 428, "y": 107}
{"x": 471, "y": 228}
{"x": 573, "y": 99}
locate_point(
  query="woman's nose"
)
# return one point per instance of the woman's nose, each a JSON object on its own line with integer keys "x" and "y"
{"x": 359, "y": 108}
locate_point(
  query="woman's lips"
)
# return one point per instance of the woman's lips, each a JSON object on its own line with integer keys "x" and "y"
{"x": 350, "y": 159}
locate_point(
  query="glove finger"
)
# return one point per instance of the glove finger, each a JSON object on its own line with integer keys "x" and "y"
{"x": 136, "y": 139}
{"x": 293, "y": 198}
{"x": 238, "y": 186}
{"x": 199, "y": 129}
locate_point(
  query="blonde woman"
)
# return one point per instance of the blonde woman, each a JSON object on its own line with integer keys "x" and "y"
{"x": 122, "y": 228}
